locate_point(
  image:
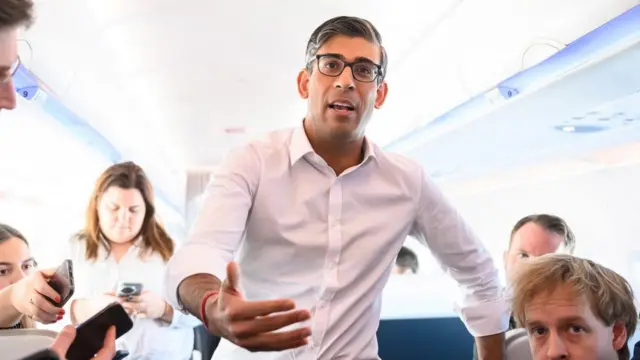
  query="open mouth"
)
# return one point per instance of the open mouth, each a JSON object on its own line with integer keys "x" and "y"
{"x": 341, "y": 106}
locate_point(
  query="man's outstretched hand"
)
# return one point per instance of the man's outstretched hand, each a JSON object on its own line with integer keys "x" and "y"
{"x": 253, "y": 325}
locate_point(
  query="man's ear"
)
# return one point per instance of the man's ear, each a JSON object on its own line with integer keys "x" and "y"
{"x": 381, "y": 94}
{"x": 620, "y": 335}
{"x": 303, "y": 83}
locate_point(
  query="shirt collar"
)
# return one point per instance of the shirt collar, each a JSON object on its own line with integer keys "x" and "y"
{"x": 300, "y": 146}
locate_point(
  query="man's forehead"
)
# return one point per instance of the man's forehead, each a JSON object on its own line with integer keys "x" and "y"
{"x": 8, "y": 47}
{"x": 532, "y": 236}
{"x": 351, "y": 48}
{"x": 560, "y": 304}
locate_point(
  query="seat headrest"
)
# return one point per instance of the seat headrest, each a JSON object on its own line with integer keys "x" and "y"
{"x": 18, "y": 343}
{"x": 517, "y": 345}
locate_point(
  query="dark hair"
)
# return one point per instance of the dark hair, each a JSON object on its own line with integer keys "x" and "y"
{"x": 407, "y": 259}
{"x": 552, "y": 223}
{"x": 14, "y": 13}
{"x": 7, "y": 232}
{"x": 348, "y": 26}
{"x": 125, "y": 175}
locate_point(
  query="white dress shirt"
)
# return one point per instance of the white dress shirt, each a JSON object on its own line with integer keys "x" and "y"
{"x": 329, "y": 242}
{"x": 148, "y": 339}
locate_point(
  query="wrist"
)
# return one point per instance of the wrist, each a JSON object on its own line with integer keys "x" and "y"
{"x": 208, "y": 296}
{"x": 167, "y": 315}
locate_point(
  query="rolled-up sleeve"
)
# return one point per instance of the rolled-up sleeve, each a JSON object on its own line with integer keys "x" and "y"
{"x": 483, "y": 307}
{"x": 220, "y": 225}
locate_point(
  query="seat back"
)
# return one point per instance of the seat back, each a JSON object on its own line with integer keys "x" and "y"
{"x": 18, "y": 343}
{"x": 204, "y": 343}
{"x": 517, "y": 345}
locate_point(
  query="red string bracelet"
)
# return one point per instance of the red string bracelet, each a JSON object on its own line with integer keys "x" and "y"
{"x": 206, "y": 297}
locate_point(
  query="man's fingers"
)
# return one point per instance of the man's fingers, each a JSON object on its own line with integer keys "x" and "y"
{"x": 249, "y": 328}
{"x": 232, "y": 281}
{"x": 63, "y": 341}
{"x": 276, "y": 341}
{"x": 109, "y": 345}
{"x": 247, "y": 310}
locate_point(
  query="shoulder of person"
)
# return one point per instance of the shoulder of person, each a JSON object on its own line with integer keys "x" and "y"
{"x": 636, "y": 351}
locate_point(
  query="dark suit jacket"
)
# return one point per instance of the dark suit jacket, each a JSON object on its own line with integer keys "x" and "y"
{"x": 636, "y": 351}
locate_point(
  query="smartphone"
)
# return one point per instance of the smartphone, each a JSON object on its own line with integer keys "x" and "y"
{"x": 129, "y": 289}
{"x": 62, "y": 283}
{"x": 46, "y": 354}
{"x": 90, "y": 334}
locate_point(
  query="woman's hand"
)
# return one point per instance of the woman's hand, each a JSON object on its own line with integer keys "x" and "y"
{"x": 148, "y": 305}
{"x": 28, "y": 297}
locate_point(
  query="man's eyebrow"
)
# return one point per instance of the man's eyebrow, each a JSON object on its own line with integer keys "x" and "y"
{"x": 341, "y": 57}
{"x": 365, "y": 59}
{"x": 572, "y": 319}
{"x": 4, "y": 263}
{"x": 533, "y": 323}
{"x": 29, "y": 259}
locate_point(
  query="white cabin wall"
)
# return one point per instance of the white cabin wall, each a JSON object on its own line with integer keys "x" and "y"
{"x": 602, "y": 208}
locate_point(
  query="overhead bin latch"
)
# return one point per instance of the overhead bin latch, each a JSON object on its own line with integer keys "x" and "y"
{"x": 507, "y": 92}
{"x": 500, "y": 94}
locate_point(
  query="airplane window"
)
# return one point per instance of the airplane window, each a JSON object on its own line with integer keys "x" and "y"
{"x": 47, "y": 176}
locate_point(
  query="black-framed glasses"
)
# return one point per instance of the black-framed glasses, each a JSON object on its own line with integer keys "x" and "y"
{"x": 6, "y": 77}
{"x": 362, "y": 70}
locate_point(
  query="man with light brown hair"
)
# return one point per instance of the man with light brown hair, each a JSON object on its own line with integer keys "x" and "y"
{"x": 573, "y": 308}
{"x": 13, "y": 15}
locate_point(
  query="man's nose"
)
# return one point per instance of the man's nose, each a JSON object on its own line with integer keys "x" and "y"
{"x": 345, "y": 80}
{"x": 556, "y": 348}
{"x": 7, "y": 96}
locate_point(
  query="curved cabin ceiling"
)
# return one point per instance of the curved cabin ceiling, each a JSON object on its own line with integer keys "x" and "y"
{"x": 175, "y": 84}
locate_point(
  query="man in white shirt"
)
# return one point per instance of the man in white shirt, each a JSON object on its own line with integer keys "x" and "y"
{"x": 318, "y": 214}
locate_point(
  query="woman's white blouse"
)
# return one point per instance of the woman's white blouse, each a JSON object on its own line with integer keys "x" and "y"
{"x": 149, "y": 339}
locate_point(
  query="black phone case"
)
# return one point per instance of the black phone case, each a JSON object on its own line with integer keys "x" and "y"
{"x": 62, "y": 283}
{"x": 46, "y": 354}
{"x": 90, "y": 334}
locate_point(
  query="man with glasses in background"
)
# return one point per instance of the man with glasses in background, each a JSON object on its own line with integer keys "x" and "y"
{"x": 13, "y": 15}
{"x": 318, "y": 214}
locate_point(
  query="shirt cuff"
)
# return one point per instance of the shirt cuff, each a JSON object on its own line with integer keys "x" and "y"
{"x": 485, "y": 318}
{"x": 188, "y": 261}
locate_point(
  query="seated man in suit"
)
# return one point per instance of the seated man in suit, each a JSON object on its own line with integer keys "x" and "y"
{"x": 532, "y": 236}
{"x": 573, "y": 308}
